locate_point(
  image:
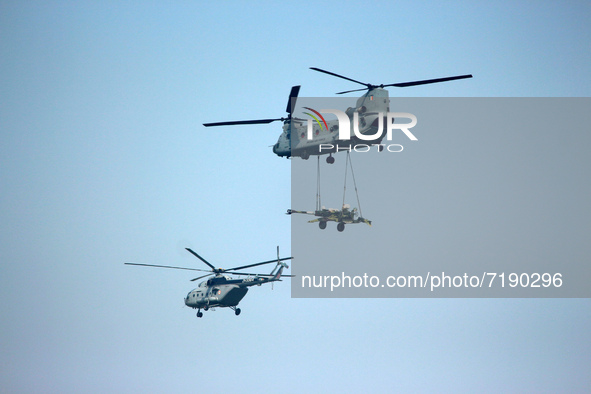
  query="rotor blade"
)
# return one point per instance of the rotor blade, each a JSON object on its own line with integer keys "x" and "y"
{"x": 244, "y": 273}
{"x": 254, "y": 265}
{"x": 260, "y": 275}
{"x": 349, "y": 91}
{"x": 337, "y": 75}
{"x": 203, "y": 276}
{"x": 238, "y": 122}
{"x": 282, "y": 275}
{"x": 167, "y": 266}
{"x": 426, "y": 81}
{"x": 200, "y": 258}
{"x": 293, "y": 96}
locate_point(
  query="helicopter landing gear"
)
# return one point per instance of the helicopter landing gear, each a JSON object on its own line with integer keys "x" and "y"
{"x": 330, "y": 159}
{"x": 236, "y": 310}
{"x": 305, "y": 155}
{"x": 380, "y": 148}
{"x": 199, "y": 313}
{"x": 341, "y": 226}
{"x": 322, "y": 225}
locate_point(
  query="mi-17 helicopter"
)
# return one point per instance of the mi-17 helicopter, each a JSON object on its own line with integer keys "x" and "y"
{"x": 371, "y": 109}
{"x": 345, "y": 215}
{"x": 224, "y": 291}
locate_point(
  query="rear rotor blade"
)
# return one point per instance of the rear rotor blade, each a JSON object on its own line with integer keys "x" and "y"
{"x": 200, "y": 258}
{"x": 238, "y": 122}
{"x": 254, "y": 265}
{"x": 337, "y": 75}
{"x": 349, "y": 91}
{"x": 167, "y": 266}
{"x": 293, "y": 96}
{"x": 427, "y": 81}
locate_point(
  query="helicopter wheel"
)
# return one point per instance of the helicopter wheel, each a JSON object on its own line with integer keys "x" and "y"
{"x": 330, "y": 159}
{"x": 380, "y": 148}
{"x": 341, "y": 226}
{"x": 199, "y": 314}
{"x": 237, "y": 311}
{"x": 205, "y": 308}
{"x": 322, "y": 225}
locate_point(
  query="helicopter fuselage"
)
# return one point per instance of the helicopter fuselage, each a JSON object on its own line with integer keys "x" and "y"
{"x": 221, "y": 291}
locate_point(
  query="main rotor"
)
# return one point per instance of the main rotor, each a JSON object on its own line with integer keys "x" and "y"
{"x": 295, "y": 90}
{"x": 293, "y": 95}
{"x": 220, "y": 271}
{"x": 369, "y": 86}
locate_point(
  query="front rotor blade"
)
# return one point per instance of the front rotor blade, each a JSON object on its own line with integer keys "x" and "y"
{"x": 254, "y": 265}
{"x": 238, "y": 122}
{"x": 293, "y": 96}
{"x": 337, "y": 75}
{"x": 200, "y": 258}
{"x": 427, "y": 81}
{"x": 167, "y": 266}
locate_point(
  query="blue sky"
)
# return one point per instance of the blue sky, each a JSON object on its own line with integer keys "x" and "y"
{"x": 104, "y": 160}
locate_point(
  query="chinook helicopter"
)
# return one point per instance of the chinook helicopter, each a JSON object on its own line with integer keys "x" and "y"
{"x": 224, "y": 291}
{"x": 371, "y": 109}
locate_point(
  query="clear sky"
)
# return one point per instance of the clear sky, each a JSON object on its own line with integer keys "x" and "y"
{"x": 103, "y": 160}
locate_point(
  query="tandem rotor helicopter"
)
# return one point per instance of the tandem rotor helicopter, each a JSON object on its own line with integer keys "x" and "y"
{"x": 375, "y": 103}
{"x": 224, "y": 291}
